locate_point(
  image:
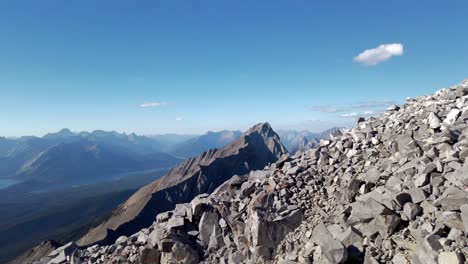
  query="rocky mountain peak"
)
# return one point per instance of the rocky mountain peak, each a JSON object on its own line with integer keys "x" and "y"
{"x": 261, "y": 128}
{"x": 254, "y": 150}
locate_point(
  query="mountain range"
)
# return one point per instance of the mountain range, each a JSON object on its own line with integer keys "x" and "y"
{"x": 194, "y": 146}
{"x": 297, "y": 141}
{"x": 66, "y": 158}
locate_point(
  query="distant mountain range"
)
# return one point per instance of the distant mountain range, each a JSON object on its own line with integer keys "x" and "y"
{"x": 84, "y": 161}
{"x": 66, "y": 158}
{"x": 194, "y": 146}
{"x": 295, "y": 140}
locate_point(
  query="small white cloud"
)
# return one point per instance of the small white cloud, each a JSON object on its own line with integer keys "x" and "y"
{"x": 368, "y": 112}
{"x": 373, "y": 104}
{"x": 152, "y": 104}
{"x": 354, "y": 114}
{"x": 179, "y": 119}
{"x": 380, "y": 54}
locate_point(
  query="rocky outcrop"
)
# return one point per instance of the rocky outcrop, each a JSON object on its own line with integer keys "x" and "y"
{"x": 392, "y": 190}
{"x": 38, "y": 253}
{"x": 256, "y": 148}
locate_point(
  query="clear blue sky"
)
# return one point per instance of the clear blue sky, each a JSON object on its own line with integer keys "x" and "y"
{"x": 218, "y": 64}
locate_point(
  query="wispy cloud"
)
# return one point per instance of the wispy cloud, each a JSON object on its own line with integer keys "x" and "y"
{"x": 365, "y": 114}
{"x": 379, "y": 54}
{"x": 373, "y": 104}
{"x": 152, "y": 104}
{"x": 179, "y": 118}
{"x": 315, "y": 125}
{"x": 349, "y": 115}
{"x": 324, "y": 109}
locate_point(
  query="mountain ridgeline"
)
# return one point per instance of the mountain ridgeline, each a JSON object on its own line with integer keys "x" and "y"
{"x": 255, "y": 149}
{"x": 66, "y": 158}
{"x": 194, "y": 146}
{"x": 298, "y": 141}
{"x": 50, "y": 163}
{"x": 85, "y": 161}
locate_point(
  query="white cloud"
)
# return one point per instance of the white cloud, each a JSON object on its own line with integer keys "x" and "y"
{"x": 179, "y": 118}
{"x": 353, "y": 114}
{"x": 368, "y": 112}
{"x": 152, "y": 104}
{"x": 373, "y": 104}
{"x": 380, "y": 54}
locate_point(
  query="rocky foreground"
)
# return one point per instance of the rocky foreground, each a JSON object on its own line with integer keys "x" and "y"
{"x": 392, "y": 190}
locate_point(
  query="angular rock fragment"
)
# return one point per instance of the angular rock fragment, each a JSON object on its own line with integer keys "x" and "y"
{"x": 150, "y": 256}
{"x": 417, "y": 195}
{"x": 427, "y": 251}
{"x": 331, "y": 248}
{"x": 410, "y": 211}
{"x": 449, "y": 258}
{"x": 452, "y": 116}
{"x": 209, "y": 223}
{"x": 452, "y": 199}
{"x": 433, "y": 120}
{"x": 464, "y": 216}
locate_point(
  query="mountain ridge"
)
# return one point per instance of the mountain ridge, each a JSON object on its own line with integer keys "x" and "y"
{"x": 80, "y": 160}
{"x": 257, "y": 147}
{"x": 209, "y": 140}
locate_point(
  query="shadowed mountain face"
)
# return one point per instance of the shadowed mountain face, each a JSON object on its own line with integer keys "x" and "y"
{"x": 255, "y": 149}
{"x": 27, "y": 218}
{"x": 84, "y": 161}
{"x": 66, "y": 152}
{"x": 22, "y": 152}
{"x": 37, "y": 252}
{"x": 198, "y": 145}
{"x": 5, "y": 145}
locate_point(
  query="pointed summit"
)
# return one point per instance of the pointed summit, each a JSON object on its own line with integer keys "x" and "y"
{"x": 260, "y": 128}
{"x": 62, "y": 134}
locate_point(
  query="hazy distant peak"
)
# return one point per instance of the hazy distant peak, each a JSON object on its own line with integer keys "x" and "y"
{"x": 63, "y": 133}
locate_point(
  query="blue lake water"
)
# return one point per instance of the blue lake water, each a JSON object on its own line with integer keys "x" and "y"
{"x": 7, "y": 182}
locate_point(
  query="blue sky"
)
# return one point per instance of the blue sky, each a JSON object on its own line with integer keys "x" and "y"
{"x": 211, "y": 65}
